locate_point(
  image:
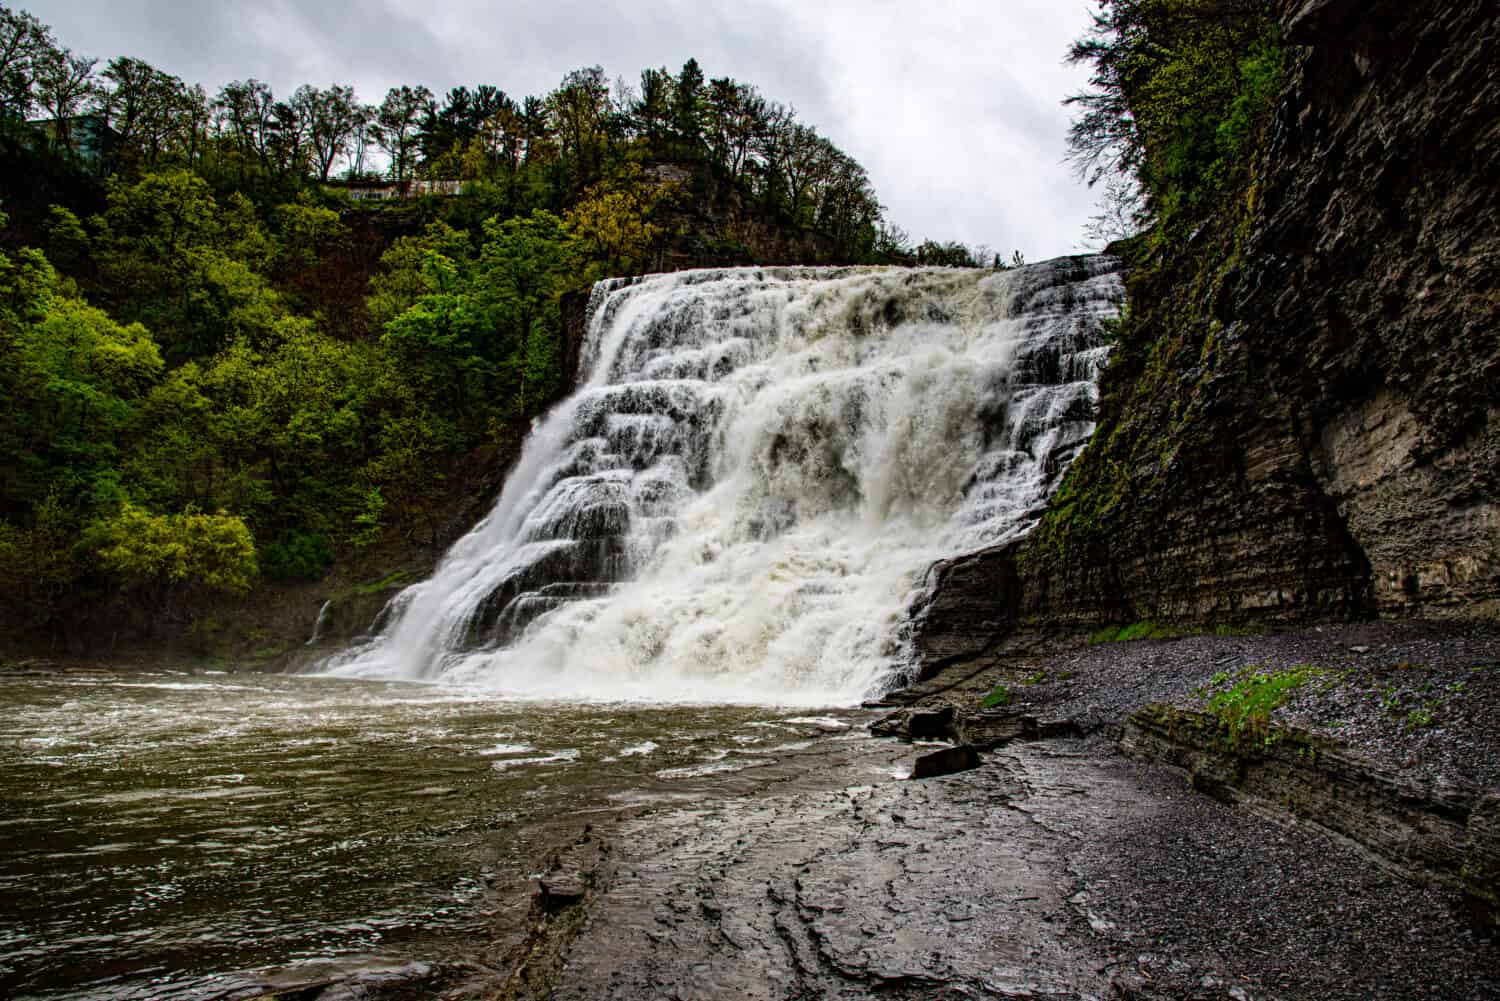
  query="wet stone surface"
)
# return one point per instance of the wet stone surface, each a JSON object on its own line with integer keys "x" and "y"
{"x": 1056, "y": 870}
{"x": 915, "y": 889}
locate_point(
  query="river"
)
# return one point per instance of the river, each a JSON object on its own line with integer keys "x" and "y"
{"x": 166, "y": 835}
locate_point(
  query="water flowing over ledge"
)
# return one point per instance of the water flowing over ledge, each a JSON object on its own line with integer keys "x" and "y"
{"x": 739, "y": 502}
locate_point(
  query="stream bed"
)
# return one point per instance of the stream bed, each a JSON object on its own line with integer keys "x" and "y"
{"x": 166, "y": 835}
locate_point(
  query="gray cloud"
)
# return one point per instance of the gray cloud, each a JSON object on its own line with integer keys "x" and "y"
{"x": 952, "y": 105}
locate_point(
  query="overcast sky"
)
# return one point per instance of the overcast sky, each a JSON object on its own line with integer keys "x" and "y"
{"x": 953, "y": 106}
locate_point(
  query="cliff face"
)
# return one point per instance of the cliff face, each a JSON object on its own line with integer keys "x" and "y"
{"x": 1305, "y": 424}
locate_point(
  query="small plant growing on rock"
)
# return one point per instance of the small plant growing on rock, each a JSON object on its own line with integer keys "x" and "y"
{"x": 1391, "y": 702}
{"x": 1419, "y": 719}
{"x": 999, "y": 697}
{"x": 1245, "y": 708}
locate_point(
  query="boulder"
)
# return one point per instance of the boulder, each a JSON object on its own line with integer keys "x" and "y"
{"x": 945, "y": 762}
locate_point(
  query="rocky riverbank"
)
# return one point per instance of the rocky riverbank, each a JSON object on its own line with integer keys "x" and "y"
{"x": 1060, "y": 867}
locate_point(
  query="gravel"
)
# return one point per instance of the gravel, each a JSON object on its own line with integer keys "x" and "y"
{"x": 1423, "y": 697}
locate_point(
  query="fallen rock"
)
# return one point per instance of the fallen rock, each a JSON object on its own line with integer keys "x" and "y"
{"x": 917, "y": 724}
{"x": 987, "y": 730}
{"x": 570, "y": 874}
{"x": 945, "y": 762}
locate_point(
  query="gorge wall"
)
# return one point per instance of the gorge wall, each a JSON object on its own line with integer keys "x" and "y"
{"x": 1303, "y": 423}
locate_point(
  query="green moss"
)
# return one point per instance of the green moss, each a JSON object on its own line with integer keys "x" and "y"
{"x": 1144, "y": 630}
{"x": 999, "y": 697}
{"x": 398, "y": 578}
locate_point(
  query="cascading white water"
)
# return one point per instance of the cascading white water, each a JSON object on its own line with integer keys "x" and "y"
{"x": 740, "y": 500}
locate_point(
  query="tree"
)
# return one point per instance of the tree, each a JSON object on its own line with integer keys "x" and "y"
{"x": 579, "y": 111}
{"x": 526, "y": 264}
{"x": 652, "y": 113}
{"x": 1120, "y": 213}
{"x": 247, "y": 107}
{"x": 142, "y": 104}
{"x": 401, "y": 281}
{"x": 400, "y": 121}
{"x": 165, "y": 553}
{"x": 287, "y": 140}
{"x": 610, "y": 226}
{"x": 176, "y": 260}
{"x": 1166, "y": 75}
{"x": 25, "y": 47}
{"x": 63, "y": 83}
{"x": 331, "y": 118}
{"x": 687, "y": 109}
{"x": 736, "y": 114}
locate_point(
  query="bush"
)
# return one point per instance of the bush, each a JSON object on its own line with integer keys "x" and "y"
{"x": 215, "y": 551}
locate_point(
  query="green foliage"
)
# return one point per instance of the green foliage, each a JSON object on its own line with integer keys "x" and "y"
{"x": 1245, "y": 707}
{"x": 1145, "y": 630}
{"x": 1420, "y": 719}
{"x": 611, "y": 227}
{"x": 212, "y": 550}
{"x": 1001, "y": 696}
{"x": 297, "y": 556}
{"x": 1177, "y": 91}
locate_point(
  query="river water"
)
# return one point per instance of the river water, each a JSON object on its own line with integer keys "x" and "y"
{"x": 162, "y": 833}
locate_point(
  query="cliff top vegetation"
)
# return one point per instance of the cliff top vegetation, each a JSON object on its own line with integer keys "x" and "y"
{"x": 247, "y": 337}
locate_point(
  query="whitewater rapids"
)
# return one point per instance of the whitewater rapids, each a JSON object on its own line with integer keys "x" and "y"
{"x": 740, "y": 502}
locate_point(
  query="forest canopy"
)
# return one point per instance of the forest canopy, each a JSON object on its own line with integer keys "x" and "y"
{"x": 247, "y": 335}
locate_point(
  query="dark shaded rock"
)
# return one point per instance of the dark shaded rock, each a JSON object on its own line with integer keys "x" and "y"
{"x": 930, "y": 724}
{"x": 568, "y": 878}
{"x": 989, "y": 729}
{"x": 1317, "y": 21}
{"x": 893, "y": 725}
{"x": 973, "y": 600}
{"x": 985, "y": 729}
{"x": 916, "y": 724}
{"x": 1481, "y": 873}
{"x": 945, "y": 762}
{"x": 560, "y": 889}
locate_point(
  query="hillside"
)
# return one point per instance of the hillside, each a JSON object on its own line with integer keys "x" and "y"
{"x": 264, "y": 351}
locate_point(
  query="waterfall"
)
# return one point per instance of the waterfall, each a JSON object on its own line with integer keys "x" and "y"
{"x": 741, "y": 498}
{"x": 319, "y": 625}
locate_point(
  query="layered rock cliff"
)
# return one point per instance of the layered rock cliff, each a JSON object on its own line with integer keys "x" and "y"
{"x": 1303, "y": 423}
